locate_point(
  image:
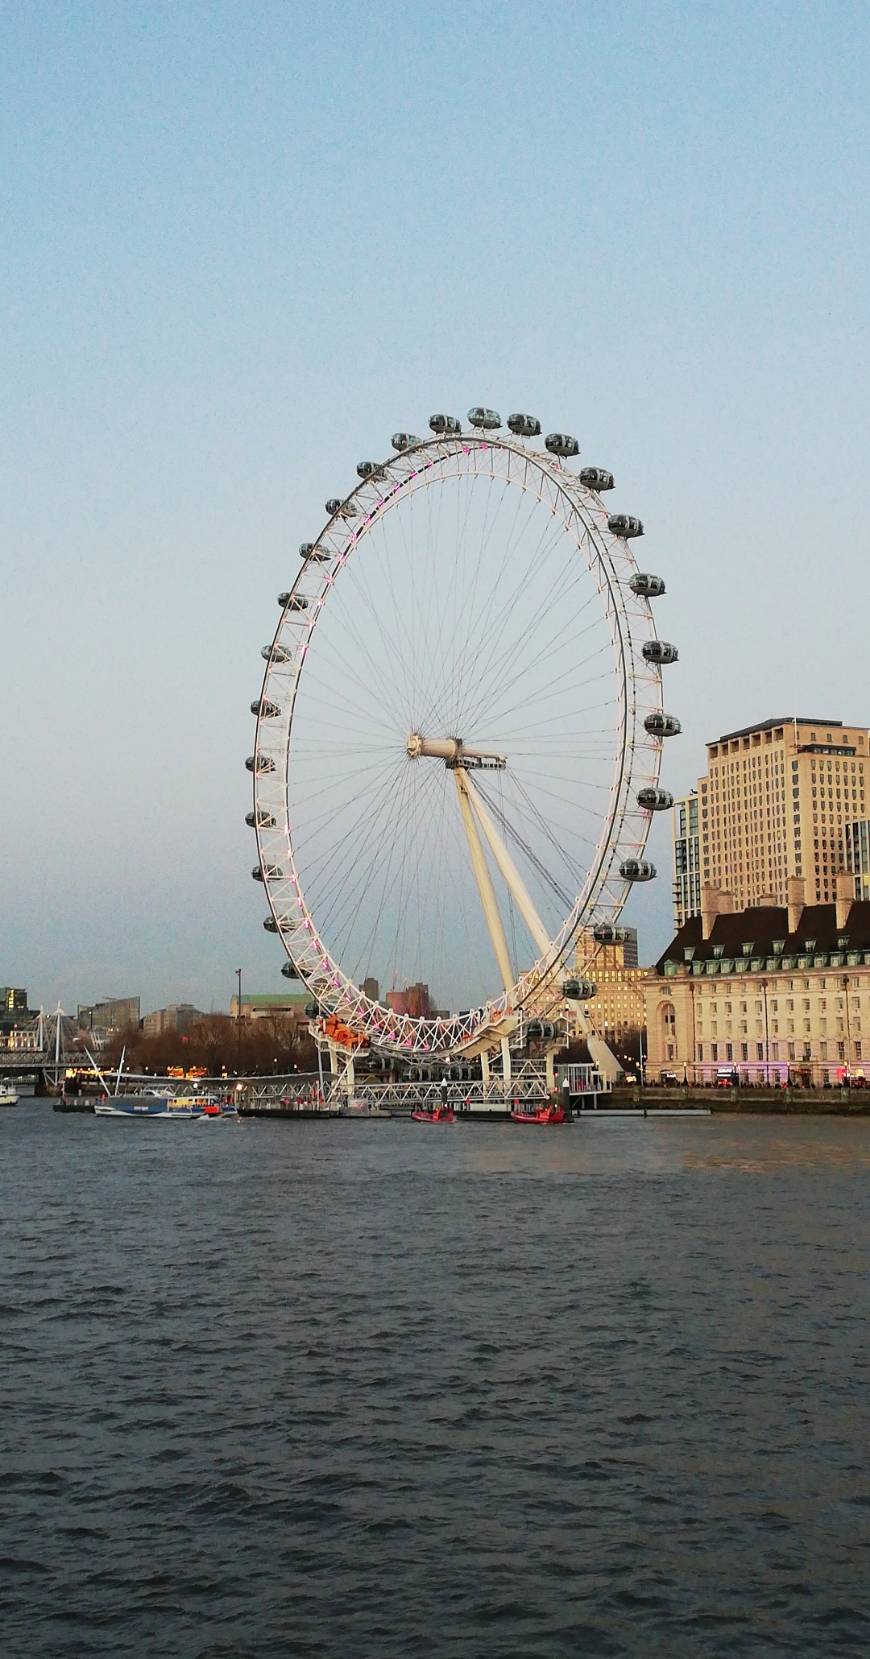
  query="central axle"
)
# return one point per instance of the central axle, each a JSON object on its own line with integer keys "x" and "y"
{"x": 454, "y": 753}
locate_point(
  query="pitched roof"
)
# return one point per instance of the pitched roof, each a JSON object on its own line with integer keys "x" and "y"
{"x": 762, "y": 925}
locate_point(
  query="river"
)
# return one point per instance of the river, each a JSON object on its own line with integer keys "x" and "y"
{"x": 382, "y": 1389}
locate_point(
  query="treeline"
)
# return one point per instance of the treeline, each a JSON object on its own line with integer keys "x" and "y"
{"x": 219, "y": 1043}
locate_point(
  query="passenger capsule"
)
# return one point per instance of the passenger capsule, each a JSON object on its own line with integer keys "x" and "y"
{"x": 404, "y": 440}
{"x": 637, "y": 869}
{"x": 655, "y": 800}
{"x": 265, "y": 709}
{"x": 561, "y": 443}
{"x": 266, "y": 872}
{"x": 579, "y": 990}
{"x": 446, "y": 426}
{"x": 295, "y": 602}
{"x": 276, "y": 653}
{"x": 647, "y": 586}
{"x": 485, "y": 419}
{"x": 260, "y": 820}
{"x": 596, "y": 478}
{"x": 658, "y": 650}
{"x": 606, "y": 934}
{"x": 662, "y": 725}
{"x": 311, "y": 1010}
{"x": 622, "y": 524}
{"x": 310, "y": 550}
{"x": 524, "y": 426}
{"x": 289, "y": 969}
{"x": 334, "y": 505}
{"x": 261, "y": 764}
{"x": 534, "y": 1030}
{"x": 271, "y": 925}
{"x": 366, "y": 468}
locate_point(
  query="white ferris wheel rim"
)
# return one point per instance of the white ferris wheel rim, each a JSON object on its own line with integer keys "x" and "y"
{"x": 625, "y": 825}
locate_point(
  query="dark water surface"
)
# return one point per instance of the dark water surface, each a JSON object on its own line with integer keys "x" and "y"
{"x": 387, "y": 1389}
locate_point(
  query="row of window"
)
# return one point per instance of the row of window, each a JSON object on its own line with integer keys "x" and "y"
{"x": 725, "y": 1051}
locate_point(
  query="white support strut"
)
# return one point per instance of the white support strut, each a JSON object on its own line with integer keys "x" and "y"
{"x": 484, "y": 880}
{"x": 510, "y": 872}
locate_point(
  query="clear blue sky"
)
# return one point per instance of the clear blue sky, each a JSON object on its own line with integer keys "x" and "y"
{"x": 242, "y": 244}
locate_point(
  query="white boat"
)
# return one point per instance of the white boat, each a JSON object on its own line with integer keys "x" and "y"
{"x": 8, "y": 1097}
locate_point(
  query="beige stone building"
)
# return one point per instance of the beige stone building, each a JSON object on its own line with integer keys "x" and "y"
{"x": 774, "y": 804}
{"x": 617, "y": 1009}
{"x": 770, "y": 993}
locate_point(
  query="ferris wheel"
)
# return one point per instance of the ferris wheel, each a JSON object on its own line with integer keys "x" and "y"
{"x": 458, "y": 737}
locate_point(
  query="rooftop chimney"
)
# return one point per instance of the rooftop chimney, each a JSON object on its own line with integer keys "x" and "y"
{"x": 797, "y": 898}
{"x": 767, "y": 901}
{"x": 844, "y": 894}
{"x": 713, "y": 903}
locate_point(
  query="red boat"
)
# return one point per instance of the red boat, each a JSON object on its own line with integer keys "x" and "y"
{"x": 544, "y": 1114}
{"x": 440, "y": 1114}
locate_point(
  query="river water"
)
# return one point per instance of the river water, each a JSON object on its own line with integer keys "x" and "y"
{"x": 376, "y": 1389}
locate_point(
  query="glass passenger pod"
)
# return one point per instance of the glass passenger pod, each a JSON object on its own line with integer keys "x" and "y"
{"x": 561, "y": 443}
{"x": 660, "y": 651}
{"x": 647, "y": 586}
{"x": 404, "y": 440}
{"x": 524, "y": 426}
{"x": 605, "y": 933}
{"x": 445, "y": 426}
{"x": 276, "y": 653}
{"x": 310, "y": 550}
{"x": 596, "y": 478}
{"x": 655, "y": 800}
{"x": 271, "y": 925}
{"x": 260, "y": 820}
{"x": 622, "y": 524}
{"x": 486, "y": 420}
{"x": 261, "y": 764}
{"x": 264, "y": 709}
{"x": 637, "y": 869}
{"x": 579, "y": 990}
{"x": 267, "y": 872}
{"x": 365, "y": 469}
{"x": 290, "y": 970}
{"x": 662, "y": 725}
{"x": 339, "y": 508}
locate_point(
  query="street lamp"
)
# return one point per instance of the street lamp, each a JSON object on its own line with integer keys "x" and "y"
{"x": 239, "y": 1020}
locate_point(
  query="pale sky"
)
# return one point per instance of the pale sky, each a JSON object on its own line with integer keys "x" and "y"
{"x": 242, "y": 245}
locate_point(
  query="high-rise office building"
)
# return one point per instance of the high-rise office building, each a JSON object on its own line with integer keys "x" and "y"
{"x": 617, "y": 1009}
{"x": 112, "y": 1014}
{"x": 774, "y": 804}
{"x": 687, "y": 859}
{"x": 856, "y": 850}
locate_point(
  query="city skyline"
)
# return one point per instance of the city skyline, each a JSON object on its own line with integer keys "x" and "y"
{"x": 180, "y": 405}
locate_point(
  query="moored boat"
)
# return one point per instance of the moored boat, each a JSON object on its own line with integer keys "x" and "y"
{"x": 181, "y": 1109}
{"x": 543, "y": 1114}
{"x": 439, "y": 1114}
{"x": 8, "y": 1097}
